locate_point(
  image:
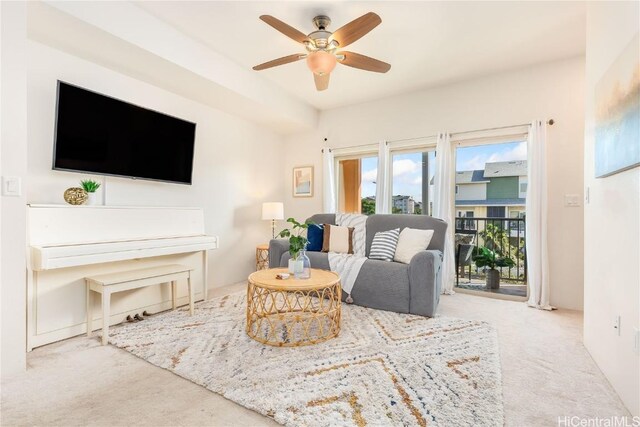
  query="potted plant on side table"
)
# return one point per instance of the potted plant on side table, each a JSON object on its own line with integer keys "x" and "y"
{"x": 485, "y": 257}
{"x": 299, "y": 264}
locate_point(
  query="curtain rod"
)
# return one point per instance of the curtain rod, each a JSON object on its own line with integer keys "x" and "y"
{"x": 351, "y": 146}
{"x": 550, "y": 122}
{"x": 412, "y": 139}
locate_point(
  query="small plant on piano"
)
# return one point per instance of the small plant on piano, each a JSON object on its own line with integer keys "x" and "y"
{"x": 89, "y": 185}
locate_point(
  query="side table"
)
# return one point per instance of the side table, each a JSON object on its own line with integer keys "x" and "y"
{"x": 262, "y": 257}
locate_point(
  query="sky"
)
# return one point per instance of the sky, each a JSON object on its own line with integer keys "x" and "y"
{"x": 407, "y": 168}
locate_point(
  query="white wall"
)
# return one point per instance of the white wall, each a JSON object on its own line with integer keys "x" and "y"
{"x": 611, "y": 227}
{"x": 144, "y": 45}
{"x": 237, "y": 164}
{"x": 13, "y": 162}
{"x": 553, "y": 90}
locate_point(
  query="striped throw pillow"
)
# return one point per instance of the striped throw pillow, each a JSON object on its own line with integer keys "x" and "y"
{"x": 384, "y": 245}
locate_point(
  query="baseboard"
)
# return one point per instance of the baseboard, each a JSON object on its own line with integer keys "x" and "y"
{"x": 114, "y": 319}
{"x": 490, "y": 295}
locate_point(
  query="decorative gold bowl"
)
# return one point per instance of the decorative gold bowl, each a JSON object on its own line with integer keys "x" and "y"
{"x": 75, "y": 196}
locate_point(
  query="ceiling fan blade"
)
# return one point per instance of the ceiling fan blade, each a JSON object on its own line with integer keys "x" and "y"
{"x": 322, "y": 82}
{"x": 355, "y": 29}
{"x": 362, "y": 62}
{"x": 285, "y": 29}
{"x": 280, "y": 61}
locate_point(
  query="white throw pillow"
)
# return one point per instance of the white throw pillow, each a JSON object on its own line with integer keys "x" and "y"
{"x": 411, "y": 241}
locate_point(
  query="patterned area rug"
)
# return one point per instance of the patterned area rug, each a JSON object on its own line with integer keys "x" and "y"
{"x": 383, "y": 369}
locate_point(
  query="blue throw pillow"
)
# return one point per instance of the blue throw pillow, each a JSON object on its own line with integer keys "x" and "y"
{"x": 315, "y": 234}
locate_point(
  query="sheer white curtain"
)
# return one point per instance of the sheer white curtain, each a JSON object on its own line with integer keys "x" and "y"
{"x": 536, "y": 222}
{"x": 383, "y": 183}
{"x": 328, "y": 182}
{"x": 443, "y": 204}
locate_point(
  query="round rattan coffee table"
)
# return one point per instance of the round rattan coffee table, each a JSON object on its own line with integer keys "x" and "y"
{"x": 291, "y": 312}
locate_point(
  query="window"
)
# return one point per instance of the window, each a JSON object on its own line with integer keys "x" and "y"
{"x": 491, "y": 176}
{"x": 357, "y": 184}
{"x": 463, "y": 225}
{"x": 516, "y": 225}
{"x": 412, "y": 182}
{"x": 470, "y": 224}
{"x": 496, "y": 212}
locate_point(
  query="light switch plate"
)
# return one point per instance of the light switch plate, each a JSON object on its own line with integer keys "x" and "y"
{"x": 572, "y": 200}
{"x": 11, "y": 186}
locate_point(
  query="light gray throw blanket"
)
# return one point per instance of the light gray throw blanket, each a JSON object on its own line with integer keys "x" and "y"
{"x": 348, "y": 265}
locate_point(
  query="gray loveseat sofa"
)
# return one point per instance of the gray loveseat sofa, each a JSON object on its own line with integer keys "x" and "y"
{"x": 404, "y": 288}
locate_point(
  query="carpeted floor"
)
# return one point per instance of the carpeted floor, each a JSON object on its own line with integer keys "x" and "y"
{"x": 546, "y": 373}
{"x": 383, "y": 369}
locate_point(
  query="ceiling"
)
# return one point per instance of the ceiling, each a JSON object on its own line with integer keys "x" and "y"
{"x": 427, "y": 43}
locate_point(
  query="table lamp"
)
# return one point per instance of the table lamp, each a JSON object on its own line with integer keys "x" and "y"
{"x": 273, "y": 211}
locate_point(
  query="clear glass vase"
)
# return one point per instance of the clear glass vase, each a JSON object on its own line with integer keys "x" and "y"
{"x": 303, "y": 264}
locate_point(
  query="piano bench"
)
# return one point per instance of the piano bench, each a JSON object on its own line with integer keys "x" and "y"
{"x": 107, "y": 284}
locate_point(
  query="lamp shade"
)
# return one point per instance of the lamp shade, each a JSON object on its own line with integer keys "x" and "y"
{"x": 273, "y": 210}
{"x": 321, "y": 62}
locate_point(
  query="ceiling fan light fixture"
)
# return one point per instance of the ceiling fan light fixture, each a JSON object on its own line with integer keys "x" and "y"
{"x": 309, "y": 46}
{"x": 321, "y": 62}
{"x": 324, "y": 48}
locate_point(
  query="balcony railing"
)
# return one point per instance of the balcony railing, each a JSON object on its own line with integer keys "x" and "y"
{"x": 503, "y": 236}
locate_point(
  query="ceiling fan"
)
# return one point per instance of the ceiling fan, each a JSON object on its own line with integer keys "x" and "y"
{"x": 322, "y": 47}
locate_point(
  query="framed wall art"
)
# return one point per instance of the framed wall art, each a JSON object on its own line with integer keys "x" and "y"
{"x": 618, "y": 114}
{"x": 303, "y": 181}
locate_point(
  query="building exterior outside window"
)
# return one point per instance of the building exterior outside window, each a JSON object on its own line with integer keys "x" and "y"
{"x": 493, "y": 192}
{"x": 404, "y": 204}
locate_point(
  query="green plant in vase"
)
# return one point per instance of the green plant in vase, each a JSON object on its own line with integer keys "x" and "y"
{"x": 299, "y": 263}
{"x": 90, "y": 186}
{"x": 485, "y": 257}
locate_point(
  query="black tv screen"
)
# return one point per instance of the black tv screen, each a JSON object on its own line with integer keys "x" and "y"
{"x": 103, "y": 135}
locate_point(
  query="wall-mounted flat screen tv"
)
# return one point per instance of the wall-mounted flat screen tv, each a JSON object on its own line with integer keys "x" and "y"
{"x": 102, "y": 135}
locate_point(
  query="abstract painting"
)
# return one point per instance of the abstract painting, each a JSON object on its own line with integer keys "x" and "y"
{"x": 303, "y": 181}
{"x": 617, "y": 127}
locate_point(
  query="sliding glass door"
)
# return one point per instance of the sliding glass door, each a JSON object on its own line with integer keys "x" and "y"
{"x": 491, "y": 185}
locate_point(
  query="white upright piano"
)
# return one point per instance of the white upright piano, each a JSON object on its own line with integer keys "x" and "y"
{"x": 67, "y": 243}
